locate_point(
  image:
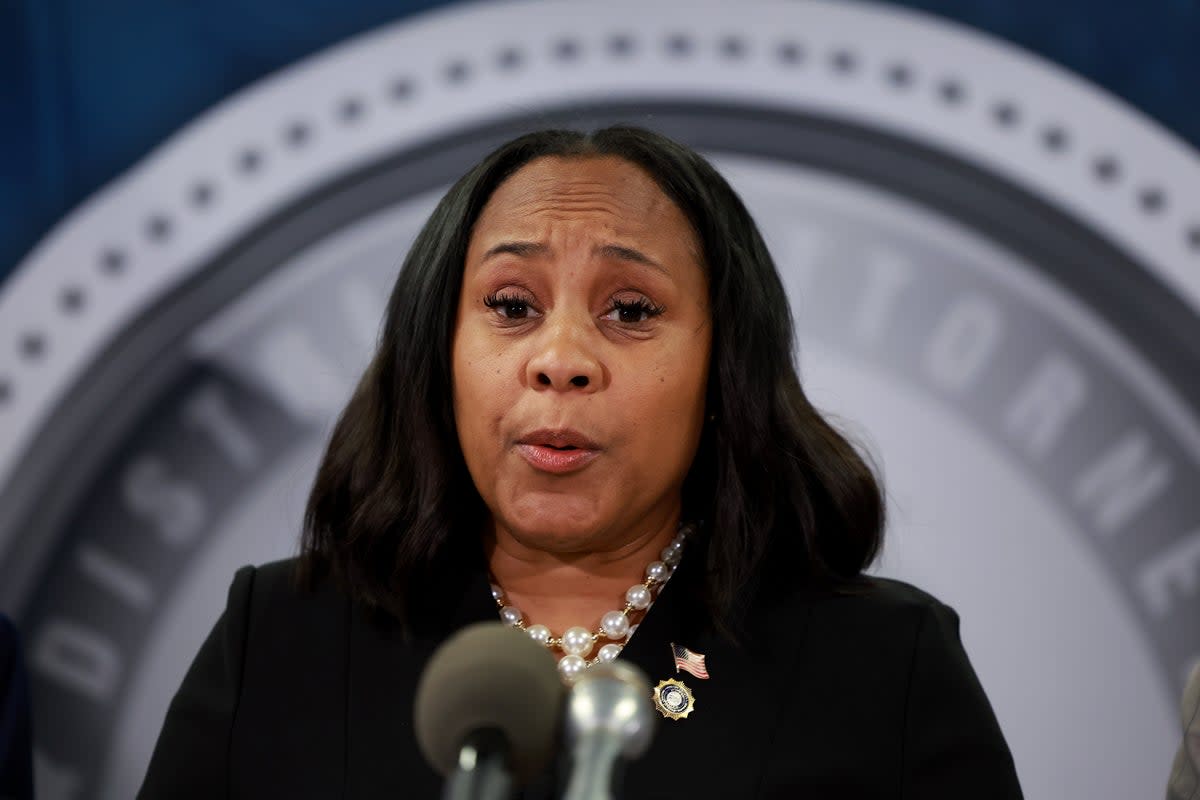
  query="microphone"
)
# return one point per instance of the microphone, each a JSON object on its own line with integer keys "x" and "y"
{"x": 487, "y": 711}
{"x": 609, "y": 718}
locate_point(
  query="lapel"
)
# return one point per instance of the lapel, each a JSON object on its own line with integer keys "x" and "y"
{"x": 384, "y": 666}
{"x": 719, "y": 750}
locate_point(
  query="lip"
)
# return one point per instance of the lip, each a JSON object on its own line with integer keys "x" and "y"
{"x": 542, "y": 450}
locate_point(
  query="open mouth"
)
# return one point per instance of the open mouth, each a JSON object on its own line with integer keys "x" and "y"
{"x": 557, "y": 450}
{"x": 560, "y": 439}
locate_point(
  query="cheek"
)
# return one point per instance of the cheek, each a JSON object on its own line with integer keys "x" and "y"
{"x": 671, "y": 398}
{"x": 482, "y": 390}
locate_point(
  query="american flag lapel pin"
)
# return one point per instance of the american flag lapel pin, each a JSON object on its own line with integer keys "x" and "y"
{"x": 672, "y": 697}
{"x": 689, "y": 661}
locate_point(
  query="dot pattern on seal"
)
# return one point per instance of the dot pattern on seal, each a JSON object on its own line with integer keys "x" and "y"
{"x": 112, "y": 262}
{"x": 733, "y": 48}
{"x": 1005, "y": 114}
{"x": 1055, "y": 138}
{"x": 200, "y": 196}
{"x": 1106, "y": 168}
{"x": 71, "y": 299}
{"x": 249, "y": 161}
{"x": 1152, "y": 199}
{"x": 509, "y": 59}
{"x": 899, "y": 76}
{"x": 566, "y": 50}
{"x": 33, "y": 346}
{"x": 952, "y": 92}
{"x": 297, "y": 134}
{"x": 401, "y": 89}
{"x": 457, "y": 72}
{"x": 620, "y": 45}
{"x": 679, "y": 45}
{"x": 158, "y": 228}
{"x": 350, "y": 110}
{"x": 789, "y": 53}
{"x": 843, "y": 62}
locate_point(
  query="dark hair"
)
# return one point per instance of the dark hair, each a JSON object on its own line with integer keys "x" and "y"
{"x": 771, "y": 476}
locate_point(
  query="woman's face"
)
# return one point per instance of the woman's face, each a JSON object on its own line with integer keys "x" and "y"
{"x": 580, "y": 355}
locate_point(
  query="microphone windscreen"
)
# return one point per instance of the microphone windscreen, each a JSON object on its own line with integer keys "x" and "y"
{"x": 490, "y": 675}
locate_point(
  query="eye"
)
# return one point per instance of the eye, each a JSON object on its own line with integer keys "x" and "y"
{"x": 632, "y": 312}
{"x": 509, "y": 306}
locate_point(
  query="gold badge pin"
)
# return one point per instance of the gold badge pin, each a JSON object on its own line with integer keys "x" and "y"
{"x": 673, "y": 699}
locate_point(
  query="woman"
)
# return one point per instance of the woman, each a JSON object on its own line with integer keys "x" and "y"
{"x": 584, "y": 387}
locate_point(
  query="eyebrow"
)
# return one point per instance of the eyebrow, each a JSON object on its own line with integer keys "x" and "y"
{"x": 523, "y": 249}
{"x": 620, "y": 252}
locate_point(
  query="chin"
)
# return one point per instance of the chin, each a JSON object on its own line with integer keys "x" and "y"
{"x": 555, "y": 526}
{"x": 562, "y": 544}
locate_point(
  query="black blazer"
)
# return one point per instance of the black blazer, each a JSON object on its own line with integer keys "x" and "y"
{"x": 16, "y": 748}
{"x": 301, "y": 695}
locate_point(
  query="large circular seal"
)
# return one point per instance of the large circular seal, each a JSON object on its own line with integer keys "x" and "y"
{"x": 994, "y": 268}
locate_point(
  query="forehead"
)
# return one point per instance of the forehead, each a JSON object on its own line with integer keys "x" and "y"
{"x": 604, "y": 190}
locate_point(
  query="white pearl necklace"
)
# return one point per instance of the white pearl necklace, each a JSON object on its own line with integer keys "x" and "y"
{"x": 577, "y": 642}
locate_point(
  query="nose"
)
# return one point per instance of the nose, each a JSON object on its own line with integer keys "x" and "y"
{"x": 564, "y": 359}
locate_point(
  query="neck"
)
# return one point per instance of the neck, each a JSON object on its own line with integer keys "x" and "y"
{"x": 561, "y": 590}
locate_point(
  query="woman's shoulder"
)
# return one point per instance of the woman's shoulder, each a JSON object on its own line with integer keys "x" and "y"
{"x": 273, "y": 596}
{"x": 879, "y": 595}
{"x": 284, "y": 579}
{"x": 276, "y": 579}
{"x": 869, "y": 596}
{"x": 873, "y": 610}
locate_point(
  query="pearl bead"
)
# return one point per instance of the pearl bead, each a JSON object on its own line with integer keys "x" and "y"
{"x": 609, "y": 652}
{"x": 539, "y": 633}
{"x": 638, "y": 596}
{"x": 577, "y": 641}
{"x": 615, "y": 625}
{"x": 571, "y": 667}
{"x": 656, "y": 571}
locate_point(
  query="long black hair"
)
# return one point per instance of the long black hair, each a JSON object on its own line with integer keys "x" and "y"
{"x": 773, "y": 481}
